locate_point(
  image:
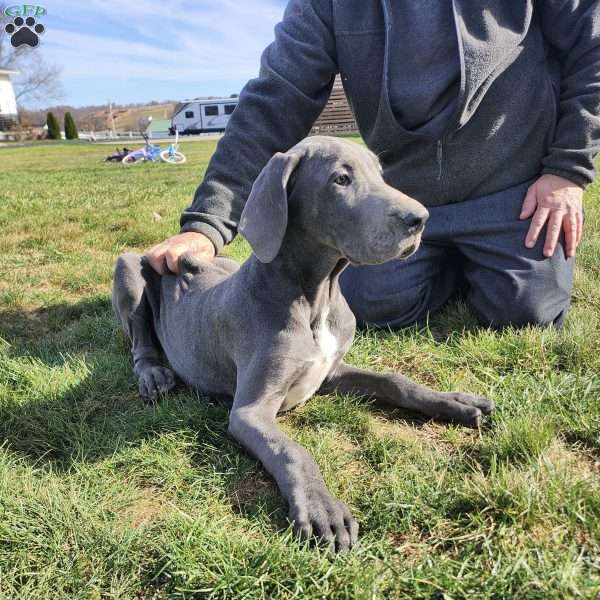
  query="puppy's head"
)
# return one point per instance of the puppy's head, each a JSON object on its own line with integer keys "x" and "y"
{"x": 333, "y": 190}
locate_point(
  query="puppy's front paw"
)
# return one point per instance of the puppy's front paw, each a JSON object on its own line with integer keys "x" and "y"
{"x": 154, "y": 381}
{"x": 314, "y": 512}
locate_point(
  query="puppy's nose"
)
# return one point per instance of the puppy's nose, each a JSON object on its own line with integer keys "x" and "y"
{"x": 415, "y": 221}
{"x": 412, "y": 214}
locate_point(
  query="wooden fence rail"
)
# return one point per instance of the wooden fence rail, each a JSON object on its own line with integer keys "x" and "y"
{"x": 337, "y": 116}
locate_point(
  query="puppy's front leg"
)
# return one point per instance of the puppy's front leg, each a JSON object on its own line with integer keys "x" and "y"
{"x": 401, "y": 392}
{"x": 312, "y": 509}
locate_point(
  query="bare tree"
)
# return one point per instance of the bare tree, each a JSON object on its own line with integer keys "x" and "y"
{"x": 92, "y": 122}
{"x": 36, "y": 80}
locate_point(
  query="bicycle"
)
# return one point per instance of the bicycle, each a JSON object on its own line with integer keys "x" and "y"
{"x": 153, "y": 153}
{"x": 150, "y": 152}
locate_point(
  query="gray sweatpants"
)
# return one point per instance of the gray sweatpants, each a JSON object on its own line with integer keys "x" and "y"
{"x": 477, "y": 246}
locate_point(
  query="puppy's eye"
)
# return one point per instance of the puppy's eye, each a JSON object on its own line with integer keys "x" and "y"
{"x": 342, "y": 180}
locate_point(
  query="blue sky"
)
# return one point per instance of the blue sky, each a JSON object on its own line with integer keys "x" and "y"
{"x": 149, "y": 50}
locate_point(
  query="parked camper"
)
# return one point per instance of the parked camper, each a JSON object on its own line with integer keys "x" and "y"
{"x": 202, "y": 115}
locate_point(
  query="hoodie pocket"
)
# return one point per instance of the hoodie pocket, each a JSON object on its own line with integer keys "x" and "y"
{"x": 554, "y": 92}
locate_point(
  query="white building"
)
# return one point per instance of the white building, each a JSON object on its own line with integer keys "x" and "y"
{"x": 8, "y": 103}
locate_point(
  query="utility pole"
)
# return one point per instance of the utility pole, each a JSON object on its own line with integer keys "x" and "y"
{"x": 112, "y": 119}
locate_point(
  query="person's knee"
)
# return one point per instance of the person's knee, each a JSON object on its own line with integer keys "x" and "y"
{"x": 373, "y": 307}
{"x": 539, "y": 294}
{"x": 542, "y": 312}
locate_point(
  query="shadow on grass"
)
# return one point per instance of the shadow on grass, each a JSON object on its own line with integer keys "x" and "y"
{"x": 454, "y": 318}
{"x": 74, "y": 395}
{"x": 74, "y": 400}
{"x": 27, "y": 328}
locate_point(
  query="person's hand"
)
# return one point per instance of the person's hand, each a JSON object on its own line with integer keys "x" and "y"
{"x": 559, "y": 202}
{"x": 164, "y": 257}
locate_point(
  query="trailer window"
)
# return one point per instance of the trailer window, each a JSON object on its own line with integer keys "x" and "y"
{"x": 189, "y": 114}
{"x": 212, "y": 110}
{"x": 229, "y": 108}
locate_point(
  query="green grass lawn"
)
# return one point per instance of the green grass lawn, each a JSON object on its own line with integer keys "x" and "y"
{"x": 102, "y": 497}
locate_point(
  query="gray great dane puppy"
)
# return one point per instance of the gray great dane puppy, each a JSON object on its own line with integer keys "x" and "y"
{"x": 274, "y": 331}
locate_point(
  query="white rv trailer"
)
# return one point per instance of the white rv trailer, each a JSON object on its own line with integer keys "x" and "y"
{"x": 202, "y": 115}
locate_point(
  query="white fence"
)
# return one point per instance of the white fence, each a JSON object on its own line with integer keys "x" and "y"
{"x": 109, "y": 135}
{"x": 101, "y": 136}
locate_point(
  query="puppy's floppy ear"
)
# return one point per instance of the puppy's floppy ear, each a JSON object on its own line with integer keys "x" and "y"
{"x": 265, "y": 215}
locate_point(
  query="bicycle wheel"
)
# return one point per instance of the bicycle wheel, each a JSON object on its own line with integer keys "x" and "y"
{"x": 173, "y": 158}
{"x": 131, "y": 159}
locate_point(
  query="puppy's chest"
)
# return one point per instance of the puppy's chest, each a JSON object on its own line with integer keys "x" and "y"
{"x": 322, "y": 355}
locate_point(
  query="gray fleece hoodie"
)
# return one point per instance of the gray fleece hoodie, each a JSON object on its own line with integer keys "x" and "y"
{"x": 528, "y": 101}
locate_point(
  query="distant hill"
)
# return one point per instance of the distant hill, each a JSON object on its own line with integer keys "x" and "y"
{"x": 130, "y": 117}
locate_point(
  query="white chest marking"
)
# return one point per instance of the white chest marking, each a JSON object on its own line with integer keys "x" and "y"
{"x": 314, "y": 375}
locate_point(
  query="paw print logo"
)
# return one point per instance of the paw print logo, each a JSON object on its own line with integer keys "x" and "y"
{"x": 24, "y": 31}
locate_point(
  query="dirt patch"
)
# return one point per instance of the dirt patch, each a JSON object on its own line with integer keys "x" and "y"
{"x": 546, "y": 533}
{"x": 430, "y": 435}
{"x": 248, "y": 491}
{"x": 148, "y": 507}
{"x": 582, "y": 463}
{"x": 343, "y": 444}
{"x": 382, "y": 426}
{"x": 408, "y": 549}
{"x": 413, "y": 362}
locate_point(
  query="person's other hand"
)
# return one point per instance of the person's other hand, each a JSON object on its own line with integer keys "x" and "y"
{"x": 164, "y": 257}
{"x": 558, "y": 202}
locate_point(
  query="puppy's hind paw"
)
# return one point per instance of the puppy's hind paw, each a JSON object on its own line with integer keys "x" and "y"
{"x": 467, "y": 409}
{"x": 154, "y": 382}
